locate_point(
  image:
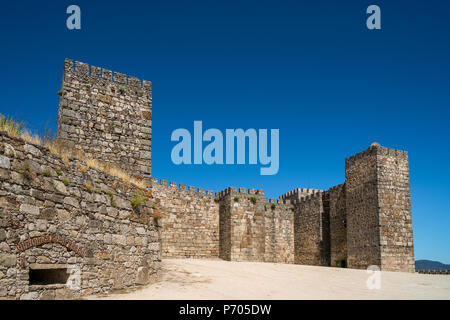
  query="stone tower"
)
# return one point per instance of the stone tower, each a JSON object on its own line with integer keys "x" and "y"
{"x": 379, "y": 226}
{"x": 107, "y": 116}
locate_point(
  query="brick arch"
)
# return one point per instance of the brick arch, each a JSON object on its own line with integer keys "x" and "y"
{"x": 51, "y": 238}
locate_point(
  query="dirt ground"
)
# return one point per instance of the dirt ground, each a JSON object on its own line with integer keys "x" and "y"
{"x": 218, "y": 279}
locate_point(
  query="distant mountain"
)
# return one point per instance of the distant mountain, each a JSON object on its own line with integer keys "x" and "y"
{"x": 431, "y": 265}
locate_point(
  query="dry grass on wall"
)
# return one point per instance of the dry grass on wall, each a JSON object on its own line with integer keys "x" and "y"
{"x": 16, "y": 129}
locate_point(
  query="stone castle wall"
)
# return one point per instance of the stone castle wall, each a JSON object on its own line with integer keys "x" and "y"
{"x": 363, "y": 233}
{"x": 253, "y": 228}
{"x": 234, "y": 224}
{"x": 107, "y": 116}
{"x": 379, "y": 210}
{"x": 365, "y": 221}
{"x": 396, "y": 236}
{"x": 190, "y": 220}
{"x": 338, "y": 226}
{"x": 311, "y": 231}
{"x": 245, "y": 214}
{"x": 225, "y": 225}
{"x": 57, "y": 214}
{"x": 279, "y": 232}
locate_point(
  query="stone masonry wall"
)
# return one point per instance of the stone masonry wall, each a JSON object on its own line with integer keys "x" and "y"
{"x": 363, "y": 233}
{"x": 379, "y": 210}
{"x": 57, "y": 214}
{"x": 190, "y": 220}
{"x": 364, "y": 222}
{"x": 253, "y": 228}
{"x": 279, "y": 232}
{"x": 338, "y": 226}
{"x": 106, "y": 116}
{"x": 305, "y": 226}
{"x": 394, "y": 200}
{"x": 245, "y": 212}
{"x": 225, "y": 224}
{"x": 311, "y": 231}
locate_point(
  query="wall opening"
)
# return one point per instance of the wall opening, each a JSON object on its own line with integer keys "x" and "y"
{"x": 48, "y": 276}
{"x": 341, "y": 263}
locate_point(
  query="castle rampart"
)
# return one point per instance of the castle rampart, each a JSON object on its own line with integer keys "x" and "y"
{"x": 190, "y": 220}
{"x": 364, "y": 221}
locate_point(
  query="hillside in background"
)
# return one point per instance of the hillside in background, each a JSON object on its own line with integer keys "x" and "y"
{"x": 431, "y": 265}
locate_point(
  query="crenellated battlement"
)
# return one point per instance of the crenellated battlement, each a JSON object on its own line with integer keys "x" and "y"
{"x": 299, "y": 193}
{"x": 180, "y": 187}
{"x": 96, "y": 75}
{"x": 316, "y": 194}
{"x": 107, "y": 116}
{"x": 376, "y": 149}
{"x": 241, "y": 191}
{"x": 290, "y": 198}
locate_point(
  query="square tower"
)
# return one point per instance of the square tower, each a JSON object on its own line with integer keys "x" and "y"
{"x": 378, "y": 202}
{"x": 107, "y": 116}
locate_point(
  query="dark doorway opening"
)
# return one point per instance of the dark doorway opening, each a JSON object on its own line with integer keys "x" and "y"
{"x": 341, "y": 263}
{"x": 48, "y": 276}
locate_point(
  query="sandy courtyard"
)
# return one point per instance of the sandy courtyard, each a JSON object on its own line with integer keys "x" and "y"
{"x": 217, "y": 279}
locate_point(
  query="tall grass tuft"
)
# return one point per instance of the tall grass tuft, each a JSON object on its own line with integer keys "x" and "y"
{"x": 138, "y": 200}
{"x": 12, "y": 127}
{"x": 30, "y": 138}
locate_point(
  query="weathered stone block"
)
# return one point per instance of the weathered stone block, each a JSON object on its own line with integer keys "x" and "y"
{"x": 29, "y": 209}
{"x": 7, "y": 260}
{"x": 48, "y": 213}
{"x": 33, "y": 150}
{"x": 47, "y": 295}
{"x": 30, "y": 296}
{"x": 60, "y": 187}
{"x": 5, "y": 163}
{"x": 72, "y": 202}
{"x": 63, "y": 215}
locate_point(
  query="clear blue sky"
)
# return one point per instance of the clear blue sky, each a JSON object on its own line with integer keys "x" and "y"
{"x": 310, "y": 68}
